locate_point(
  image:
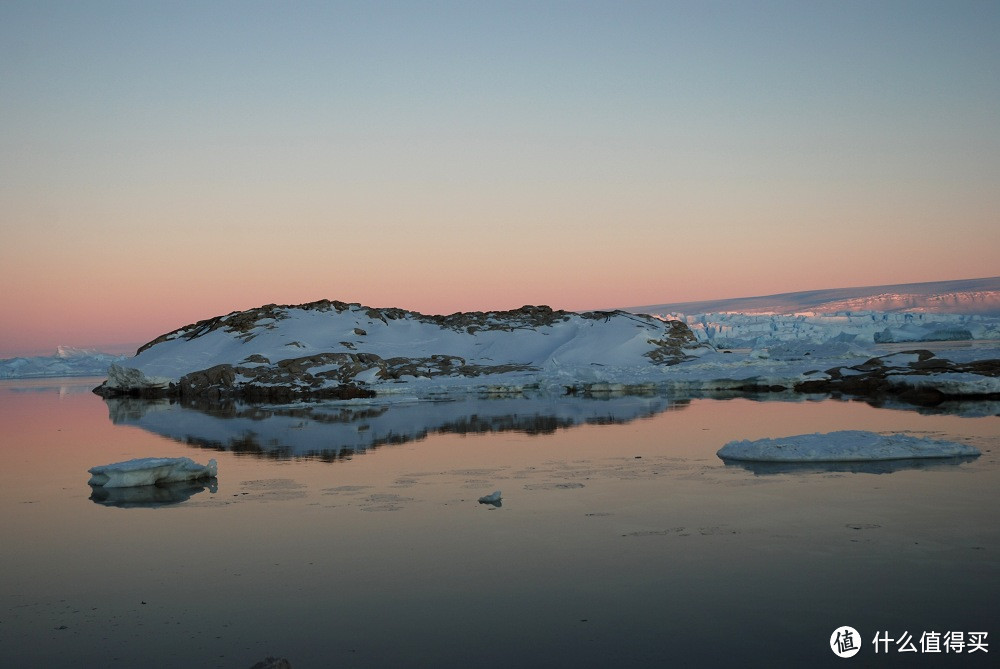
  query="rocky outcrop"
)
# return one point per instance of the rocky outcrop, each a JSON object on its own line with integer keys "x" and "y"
{"x": 671, "y": 349}
{"x": 916, "y": 377}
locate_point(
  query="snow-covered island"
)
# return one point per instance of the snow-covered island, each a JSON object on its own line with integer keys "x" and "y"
{"x": 331, "y": 349}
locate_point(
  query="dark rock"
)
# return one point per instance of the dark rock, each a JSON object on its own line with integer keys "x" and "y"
{"x": 273, "y": 663}
{"x": 871, "y": 379}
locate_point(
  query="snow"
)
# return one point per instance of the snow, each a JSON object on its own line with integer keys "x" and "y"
{"x": 607, "y": 360}
{"x": 574, "y": 348}
{"x": 843, "y": 446}
{"x": 734, "y": 350}
{"x": 150, "y": 471}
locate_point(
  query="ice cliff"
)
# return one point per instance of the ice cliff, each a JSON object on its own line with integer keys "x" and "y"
{"x": 750, "y": 330}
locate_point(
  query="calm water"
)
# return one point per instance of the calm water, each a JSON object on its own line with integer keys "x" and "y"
{"x": 622, "y": 539}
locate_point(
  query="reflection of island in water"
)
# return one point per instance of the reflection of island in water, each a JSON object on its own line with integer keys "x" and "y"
{"x": 337, "y": 430}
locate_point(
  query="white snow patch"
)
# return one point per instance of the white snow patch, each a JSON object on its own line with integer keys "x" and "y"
{"x": 843, "y": 446}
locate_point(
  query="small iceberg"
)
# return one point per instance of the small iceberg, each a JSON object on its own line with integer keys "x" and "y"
{"x": 150, "y": 471}
{"x": 843, "y": 446}
{"x": 493, "y": 498}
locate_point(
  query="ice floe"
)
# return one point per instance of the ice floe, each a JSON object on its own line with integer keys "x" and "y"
{"x": 493, "y": 498}
{"x": 843, "y": 446}
{"x": 150, "y": 471}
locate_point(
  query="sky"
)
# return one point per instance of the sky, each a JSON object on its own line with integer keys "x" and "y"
{"x": 165, "y": 162}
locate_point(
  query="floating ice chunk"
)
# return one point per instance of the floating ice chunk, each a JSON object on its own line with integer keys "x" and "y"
{"x": 492, "y": 498}
{"x": 843, "y": 446}
{"x": 150, "y": 471}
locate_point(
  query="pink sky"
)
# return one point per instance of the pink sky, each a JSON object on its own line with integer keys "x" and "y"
{"x": 83, "y": 303}
{"x": 158, "y": 168}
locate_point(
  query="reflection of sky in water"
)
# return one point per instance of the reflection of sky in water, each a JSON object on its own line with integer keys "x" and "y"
{"x": 626, "y": 544}
{"x": 61, "y": 386}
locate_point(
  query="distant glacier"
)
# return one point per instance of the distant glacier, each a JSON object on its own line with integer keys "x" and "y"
{"x": 962, "y": 310}
{"x": 741, "y": 330}
{"x": 979, "y": 297}
{"x": 66, "y": 361}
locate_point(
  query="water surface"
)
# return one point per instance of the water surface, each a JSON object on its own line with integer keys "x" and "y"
{"x": 622, "y": 539}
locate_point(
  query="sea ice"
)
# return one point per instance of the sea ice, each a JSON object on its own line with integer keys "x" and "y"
{"x": 150, "y": 471}
{"x": 492, "y": 498}
{"x": 843, "y": 446}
